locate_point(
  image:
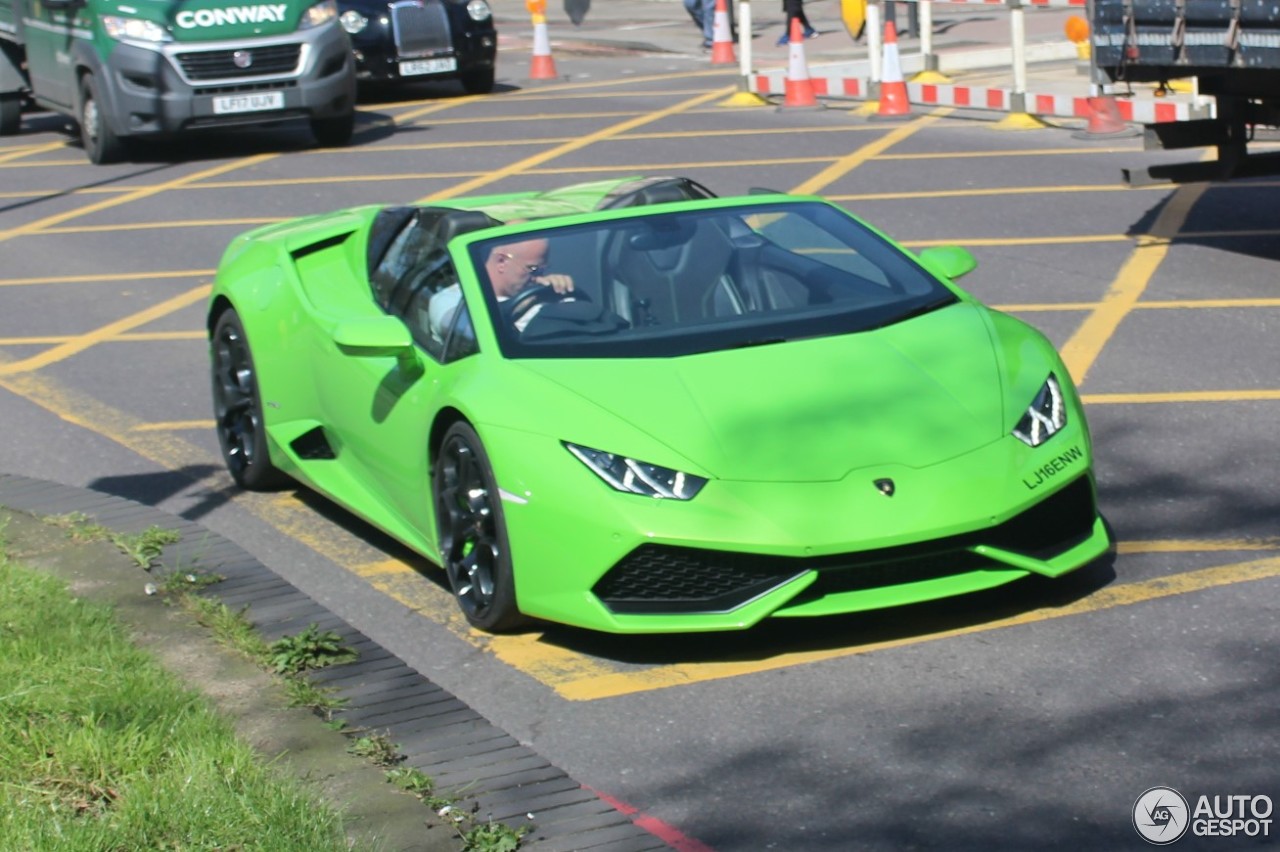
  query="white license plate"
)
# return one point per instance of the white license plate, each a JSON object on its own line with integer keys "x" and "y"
{"x": 412, "y": 67}
{"x": 256, "y": 102}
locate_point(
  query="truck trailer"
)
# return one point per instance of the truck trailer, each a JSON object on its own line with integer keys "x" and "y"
{"x": 1230, "y": 47}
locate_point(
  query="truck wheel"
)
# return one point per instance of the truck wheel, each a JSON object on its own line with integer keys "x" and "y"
{"x": 101, "y": 144}
{"x": 478, "y": 81}
{"x": 334, "y": 132}
{"x": 10, "y": 114}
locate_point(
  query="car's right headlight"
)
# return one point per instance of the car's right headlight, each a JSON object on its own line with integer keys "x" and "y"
{"x": 479, "y": 10}
{"x": 636, "y": 477}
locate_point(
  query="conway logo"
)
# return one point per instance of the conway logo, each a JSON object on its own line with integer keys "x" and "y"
{"x": 273, "y": 14}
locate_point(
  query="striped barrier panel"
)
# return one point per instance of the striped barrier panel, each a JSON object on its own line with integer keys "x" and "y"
{"x": 1139, "y": 110}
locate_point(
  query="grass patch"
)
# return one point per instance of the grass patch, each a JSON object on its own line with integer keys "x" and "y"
{"x": 102, "y": 749}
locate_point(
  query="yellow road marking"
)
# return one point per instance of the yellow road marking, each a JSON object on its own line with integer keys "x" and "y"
{"x": 84, "y": 341}
{"x": 522, "y": 166}
{"x": 106, "y": 278}
{"x": 1197, "y": 545}
{"x": 130, "y": 337}
{"x": 173, "y": 426}
{"x": 8, "y": 156}
{"x": 159, "y": 226}
{"x": 876, "y": 148}
{"x": 591, "y": 686}
{"x": 1181, "y": 396}
{"x": 1083, "y": 348}
{"x": 136, "y": 195}
{"x": 999, "y": 153}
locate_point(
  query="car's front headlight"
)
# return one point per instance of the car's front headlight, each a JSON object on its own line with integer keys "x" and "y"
{"x": 637, "y": 477}
{"x": 479, "y": 10}
{"x": 1045, "y": 417}
{"x": 134, "y": 29}
{"x": 353, "y": 22}
{"x": 321, "y": 13}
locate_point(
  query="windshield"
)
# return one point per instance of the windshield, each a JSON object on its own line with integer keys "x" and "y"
{"x": 668, "y": 284}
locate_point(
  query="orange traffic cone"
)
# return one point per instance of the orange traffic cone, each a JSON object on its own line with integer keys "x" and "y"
{"x": 542, "y": 67}
{"x": 893, "y": 89}
{"x": 799, "y": 88}
{"x": 722, "y": 37}
{"x": 1105, "y": 121}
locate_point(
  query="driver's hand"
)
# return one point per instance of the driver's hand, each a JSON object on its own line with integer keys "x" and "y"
{"x": 559, "y": 282}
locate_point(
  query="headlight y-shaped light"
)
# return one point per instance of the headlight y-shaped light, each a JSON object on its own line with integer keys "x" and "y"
{"x": 134, "y": 29}
{"x": 320, "y": 13}
{"x": 1046, "y": 415}
{"x": 637, "y": 477}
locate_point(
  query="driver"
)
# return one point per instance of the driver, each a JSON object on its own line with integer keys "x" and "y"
{"x": 518, "y": 268}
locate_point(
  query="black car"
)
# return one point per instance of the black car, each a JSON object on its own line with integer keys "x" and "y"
{"x": 406, "y": 40}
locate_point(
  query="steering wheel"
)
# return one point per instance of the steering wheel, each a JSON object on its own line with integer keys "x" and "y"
{"x": 533, "y": 294}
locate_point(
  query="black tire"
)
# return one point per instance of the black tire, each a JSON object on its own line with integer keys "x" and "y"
{"x": 473, "y": 533}
{"x": 478, "y": 81}
{"x": 10, "y": 114}
{"x": 237, "y": 408}
{"x": 101, "y": 145}
{"x": 334, "y": 132}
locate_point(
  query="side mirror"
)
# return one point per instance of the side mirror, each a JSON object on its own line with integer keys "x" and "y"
{"x": 949, "y": 262}
{"x": 373, "y": 336}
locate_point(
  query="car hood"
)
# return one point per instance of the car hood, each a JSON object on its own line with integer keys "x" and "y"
{"x": 916, "y": 393}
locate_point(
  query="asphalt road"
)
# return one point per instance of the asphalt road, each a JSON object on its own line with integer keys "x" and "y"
{"x": 1032, "y": 717}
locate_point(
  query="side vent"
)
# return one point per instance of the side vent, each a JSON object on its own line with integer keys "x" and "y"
{"x": 313, "y": 446}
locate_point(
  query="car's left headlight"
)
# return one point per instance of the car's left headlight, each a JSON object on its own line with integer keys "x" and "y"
{"x": 320, "y": 13}
{"x": 1044, "y": 417}
{"x": 479, "y": 10}
{"x": 636, "y": 477}
{"x": 134, "y": 29}
{"x": 353, "y": 22}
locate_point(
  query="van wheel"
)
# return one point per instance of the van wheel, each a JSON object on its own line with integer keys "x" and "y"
{"x": 10, "y": 114}
{"x": 334, "y": 132}
{"x": 101, "y": 144}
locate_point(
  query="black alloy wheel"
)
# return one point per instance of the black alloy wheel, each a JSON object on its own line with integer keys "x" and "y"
{"x": 237, "y": 408}
{"x": 473, "y": 537}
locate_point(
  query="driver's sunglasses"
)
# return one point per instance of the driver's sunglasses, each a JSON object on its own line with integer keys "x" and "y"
{"x": 534, "y": 268}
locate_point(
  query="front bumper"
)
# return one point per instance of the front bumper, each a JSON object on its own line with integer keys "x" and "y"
{"x": 422, "y": 41}
{"x": 174, "y": 87}
{"x": 743, "y": 551}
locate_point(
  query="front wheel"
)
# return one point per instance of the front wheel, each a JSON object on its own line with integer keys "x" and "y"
{"x": 101, "y": 144}
{"x": 334, "y": 132}
{"x": 237, "y": 408}
{"x": 473, "y": 534}
{"x": 10, "y": 114}
{"x": 478, "y": 81}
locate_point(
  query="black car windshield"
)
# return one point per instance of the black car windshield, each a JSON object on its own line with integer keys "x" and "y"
{"x": 678, "y": 283}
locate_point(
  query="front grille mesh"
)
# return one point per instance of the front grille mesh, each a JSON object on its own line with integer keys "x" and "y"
{"x": 221, "y": 64}
{"x": 665, "y": 579}
{"x": 420, "y": 28}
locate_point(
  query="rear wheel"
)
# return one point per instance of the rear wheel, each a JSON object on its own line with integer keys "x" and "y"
{"x": 101, "y": 144}
{"x": 473, "y": 535}
{"x": 237, "y": 408}
{"x": 334, "y": 132}
{"x": 10, "y": 114}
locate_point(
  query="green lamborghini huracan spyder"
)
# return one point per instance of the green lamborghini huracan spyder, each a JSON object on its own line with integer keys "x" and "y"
{"x": 634, "y": 407}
